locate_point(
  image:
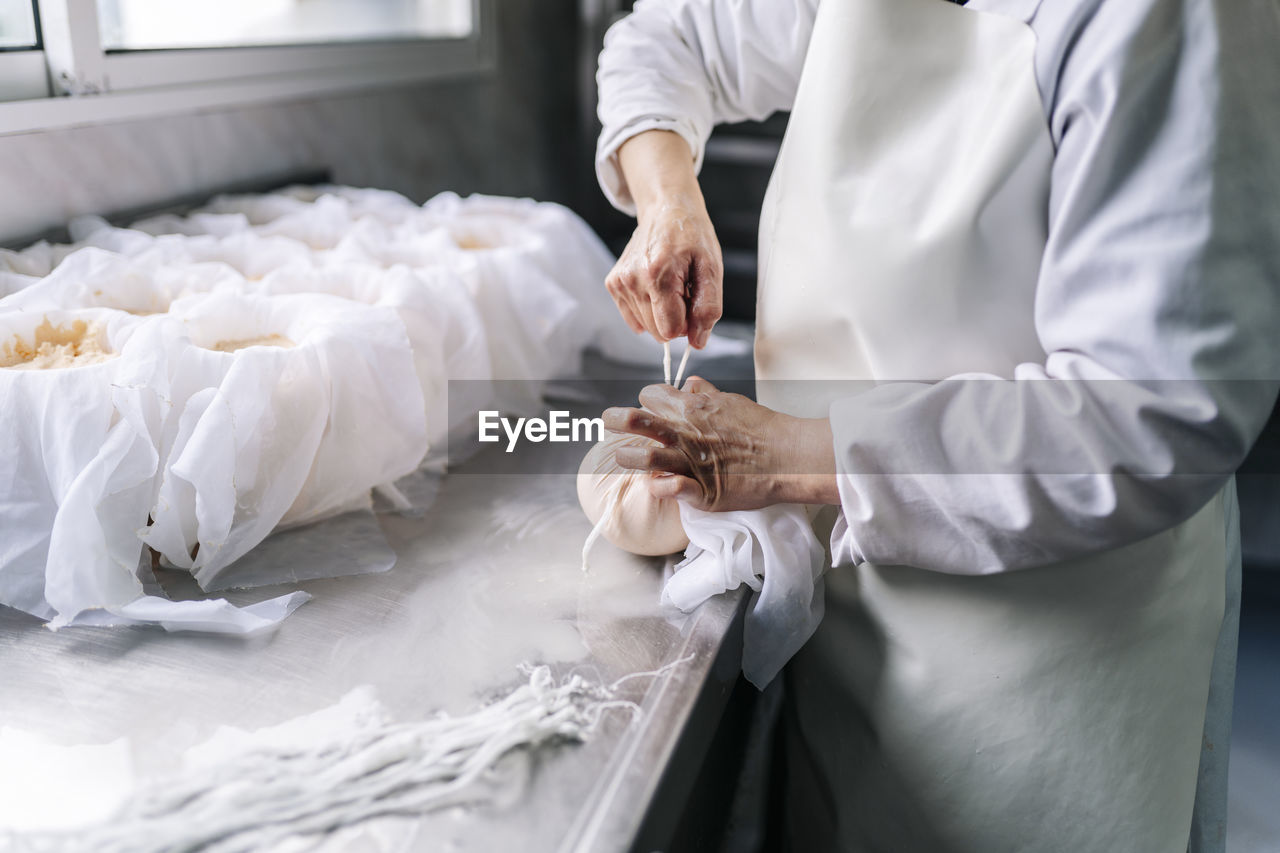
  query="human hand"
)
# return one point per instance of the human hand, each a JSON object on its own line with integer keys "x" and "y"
{"x": 669, "y": 280}
{"x": 723, "y": 451}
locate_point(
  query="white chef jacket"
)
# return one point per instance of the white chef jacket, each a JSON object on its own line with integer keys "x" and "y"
{"x": 1162, "y": 265}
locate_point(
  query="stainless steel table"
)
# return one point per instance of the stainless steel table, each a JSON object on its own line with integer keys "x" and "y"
{"x": 488, "y": 579}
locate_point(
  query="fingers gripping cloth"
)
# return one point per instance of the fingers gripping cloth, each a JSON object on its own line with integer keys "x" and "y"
{"x": 773, "y": 551}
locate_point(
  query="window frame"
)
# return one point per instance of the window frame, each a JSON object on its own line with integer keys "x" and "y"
{"x": 24, "y": 73}
{"x": 92, "y": 85}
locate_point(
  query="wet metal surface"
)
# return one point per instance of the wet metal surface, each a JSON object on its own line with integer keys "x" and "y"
{"x": 489, "y": 578}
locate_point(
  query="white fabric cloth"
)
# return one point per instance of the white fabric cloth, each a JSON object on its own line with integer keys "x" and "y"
{"x": 206, "y": 616}
{"x": 36, "y": 260}
{"x": 12, "y": 282}
{"x": 563, "y": 246}
{"x": 95, "y": 278}
{"x": 1129, "y": 91}
{"x": 444, "y": 326}
{"x": 172, "y": 244}
{"x": 268, "y": 436}
{"x": 76, "y": 484}
{"x": 534, "y": 270}
{"x": 76, "y": 475}
{"x": 774, "y": 552}
{"x": 389, "y": 208}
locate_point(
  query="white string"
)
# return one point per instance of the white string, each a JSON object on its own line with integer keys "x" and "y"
{"x": 254, "y": 800}
{"x": 662, "y": 670}
{"x": 614, "y": 499}
{"x": 610, "y": 508}
{"x": 591, "y": 540}
{"x": 610, "y": 511}
{"x": 394, "y": 496}
{"x": 684, "y": 362}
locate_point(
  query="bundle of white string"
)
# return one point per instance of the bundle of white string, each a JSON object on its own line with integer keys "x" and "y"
{"x": 254, "y": 800}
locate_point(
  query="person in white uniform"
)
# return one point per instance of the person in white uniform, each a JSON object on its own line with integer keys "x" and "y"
{"x": 1031, "y": 250}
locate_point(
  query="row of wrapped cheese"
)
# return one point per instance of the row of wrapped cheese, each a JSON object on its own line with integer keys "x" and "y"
{"x": 193, "y": 383}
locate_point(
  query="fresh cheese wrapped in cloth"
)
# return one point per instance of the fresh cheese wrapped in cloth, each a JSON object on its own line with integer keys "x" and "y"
{"x": 355, "y": 202}
{"x": 444, "y": 327}
{"x": 618, "y": 500}
{"x": 75, "y": 478}
{"x": 557, "y": 241}
{"x": 531, "y": 322}
{"x": 321, "y": 224}
{"x": 84, "y": 399}
{"x": 181, "y": 241}
{"x": 286, "y": 410}
{"x": 95, "y": 278}
{"x": 36, "y": 260}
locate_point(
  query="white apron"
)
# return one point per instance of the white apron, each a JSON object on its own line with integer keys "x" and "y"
{"x": 1054, "y": 709}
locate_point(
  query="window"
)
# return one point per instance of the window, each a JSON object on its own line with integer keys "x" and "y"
{"x": 18, "y": 25}
{"x": 127, "y": 59}
{"x": 22, "y": 69}
{"x": 164, "y": 24}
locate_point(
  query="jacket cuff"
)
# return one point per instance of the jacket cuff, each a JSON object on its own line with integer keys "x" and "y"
{"x": 608, "y": 171}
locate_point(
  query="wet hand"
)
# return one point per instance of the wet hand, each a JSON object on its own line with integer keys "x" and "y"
{"x": 669, "y": 279}
{"x": 723, "y": 451}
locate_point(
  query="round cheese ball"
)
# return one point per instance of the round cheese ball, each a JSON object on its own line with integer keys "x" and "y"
{"x": 638, "y": 522}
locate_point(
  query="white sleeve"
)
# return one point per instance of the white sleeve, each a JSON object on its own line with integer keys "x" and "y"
{"x": 687, "y": 65}
{"x": 1158, "y": 303}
